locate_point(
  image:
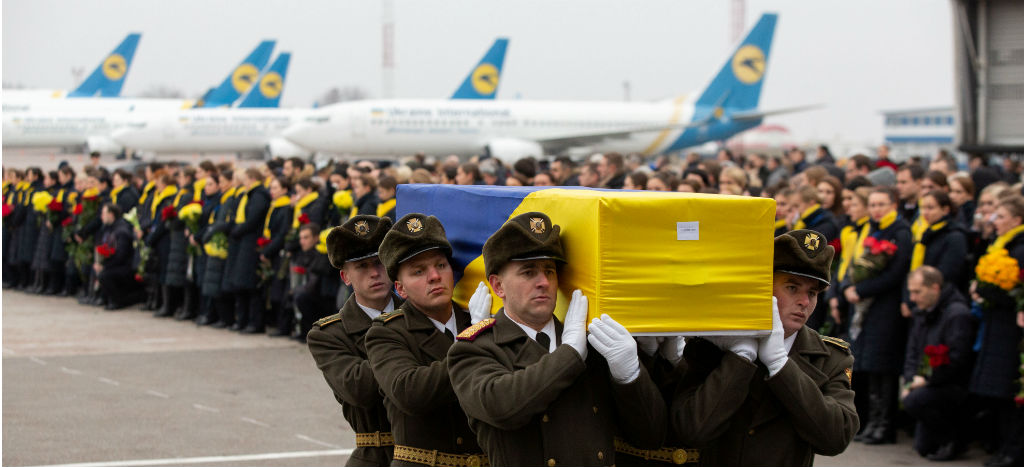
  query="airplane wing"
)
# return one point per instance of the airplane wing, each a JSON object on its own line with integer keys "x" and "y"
{"x": 556, "y": 143}
{"x": 756, "y": 114}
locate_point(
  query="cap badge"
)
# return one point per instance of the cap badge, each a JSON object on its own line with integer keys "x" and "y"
{"x": 537, "y": 225}
{"x": 414, "y": 225}
{"x": 362, "y": 228}
{"x": 812, "y": 242}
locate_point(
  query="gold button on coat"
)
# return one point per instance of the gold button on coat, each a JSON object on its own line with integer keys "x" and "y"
{"x": 600, "y": 456}
{"x": 545, "y": 419}
{"x": 551, "y": 462}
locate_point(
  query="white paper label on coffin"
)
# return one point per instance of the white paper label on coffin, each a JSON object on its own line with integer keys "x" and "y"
{"x": 688, "y": 230}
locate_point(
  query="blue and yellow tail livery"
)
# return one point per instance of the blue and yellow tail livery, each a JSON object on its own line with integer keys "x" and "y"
{"x": 242, "y": 77}
{"x": 267, "y": 93}
{"x": 736, "y": 88}
{"x": 482, "y": 82}
{"x": 108, "y": 78}
{"x": 659, "y": 263}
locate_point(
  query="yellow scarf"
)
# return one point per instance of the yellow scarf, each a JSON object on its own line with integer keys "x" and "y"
{"x": 917, "y": 259}
{"x": 197, "y": 189}
{"x": 168, "y": 190}
{"x": 146, "y": 190}
{"x": 303, "y": 202}
{"x": 115, "y": 192}
{"x": 266, "y": 182}
{"x": 177, "y": 199}
{"x": 918, "y": 227}
{"x": 802, "y": 224}
{"x": 60, "y": 195}
{"x": 849, "y": 238}
{"x": 1002, "y": 240}
{"x": 240, "y": 211}
{"x": 779, "y": 224}
{"x": 277, "y": 203}
{"x": 223, "y": 197}
{"x": 883, "y": 224}
{"x": 385, "y": 206}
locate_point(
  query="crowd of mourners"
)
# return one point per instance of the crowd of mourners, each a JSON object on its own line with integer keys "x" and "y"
{"x": 926, "y": 284}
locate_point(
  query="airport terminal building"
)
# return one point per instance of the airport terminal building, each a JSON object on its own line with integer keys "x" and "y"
{"x": 919, "y": 132}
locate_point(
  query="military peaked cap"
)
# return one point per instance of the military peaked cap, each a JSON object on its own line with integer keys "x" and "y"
{"x": 527, "y": 236}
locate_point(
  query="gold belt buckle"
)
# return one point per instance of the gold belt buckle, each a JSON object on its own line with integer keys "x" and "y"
{"x": 473, "y": 461}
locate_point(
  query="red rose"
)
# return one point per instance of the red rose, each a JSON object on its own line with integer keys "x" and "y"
{"x": 1019, "y": 400}
{"x": 105, "y": 250}
{"x": 138, "y": 278}
{"x": 888, "y": 247}
{"x": 938, "y": 355}
{"x": 7, "y": 209}
{"x": 298, "y": 269}
{"x": 66, "y": 222}
{"x": 168, "y": 213}
{"x": 262, "y": 242}
{"x": 55, "y": 206}
{"x": 77, "y": 209}
{"x": 304, "y": 219}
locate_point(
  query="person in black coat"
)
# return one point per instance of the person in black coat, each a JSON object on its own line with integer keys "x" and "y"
{"x": 936, "y": 377}
{"x": 28, "y": 222}
{"x": 221, "y": 312}
{"x": 945, "y": 239}
{"x": 879, "y": 332}
{"x": 67, "y": 196}
{"x": 315, "y": 283}
{"x": 158, "y": 239}
{"x": 807, "y": 202}
{"x": 364, "y": 190}
{"x": 276, "y": 227}
{"x": 115, "y": 272}
{"x": 250, "y": 215}
{"x": 997, "y": 367}
{"x": 41, "y": 255}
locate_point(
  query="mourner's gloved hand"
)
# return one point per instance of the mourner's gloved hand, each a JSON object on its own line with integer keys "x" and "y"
{"x": 771, "y": 349}
{"x": 671, "y": 348}
{"x": 648, "y": 344}
{"x": 745, "y": 347}
{"x": 480, "y": 304}
{"x": 574, "y": 330}
{"x": 617, "y": 346}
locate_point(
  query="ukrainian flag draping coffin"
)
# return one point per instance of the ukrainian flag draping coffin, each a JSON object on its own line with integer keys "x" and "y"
{"x": 659, "y": 263}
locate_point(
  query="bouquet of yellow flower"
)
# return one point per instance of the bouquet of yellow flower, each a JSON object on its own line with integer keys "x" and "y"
{"x": 190, "y": 214}
{"x": 41, "y": 201}
{"x": 217, "y": 247}
{"x": 999, "y": 275}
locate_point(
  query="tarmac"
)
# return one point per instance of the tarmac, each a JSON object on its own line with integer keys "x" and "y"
{"x": 87, "y": 387}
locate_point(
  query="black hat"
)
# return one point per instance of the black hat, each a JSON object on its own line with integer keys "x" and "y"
{"x": 804, "y": 253}
{"x": 358, "y": 238}
{"x": 411, "y": 235}
{"x": 527, "y": 236}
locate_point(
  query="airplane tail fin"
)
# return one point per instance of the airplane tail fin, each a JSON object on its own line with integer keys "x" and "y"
{"x": 482, "y": 82}
{"x": 108, "y": 78}
{"x": 737, "y": 86}
{"x": 267, "y": 93}
{"x": 241, "y": 78}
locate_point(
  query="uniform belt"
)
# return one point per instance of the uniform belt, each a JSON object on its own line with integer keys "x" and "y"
{"x": 374, "y": 440}
{"x": 667, "y": 455}
{"x": 439, "y": 459}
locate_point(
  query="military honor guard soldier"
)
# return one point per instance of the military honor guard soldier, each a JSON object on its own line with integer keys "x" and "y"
{"x": 779, "y": 399}
{"x": 535, "y": 393}
{"x": 408, "y": 349}
{"x": 337, "y": 341}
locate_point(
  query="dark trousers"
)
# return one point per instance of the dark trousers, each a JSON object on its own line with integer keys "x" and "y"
{"x": 118, "y": 286}
{"x": 313, "y": 307}
{"x": 938, "y": 415}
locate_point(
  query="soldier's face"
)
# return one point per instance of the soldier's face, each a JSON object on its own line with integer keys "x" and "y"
{"x": 368, "y": 278}
{"x": 797, "y": 296}
{"x": 529, "y": 290}
{"x": 426, "y": 280}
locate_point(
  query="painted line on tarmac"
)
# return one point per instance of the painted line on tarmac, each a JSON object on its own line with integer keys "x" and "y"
{"x": 209, "y": 459}
{"x": 70, "y": 371}
{"x": 108, "y": 381}
{"x": 205, "y": 408}
{"x": 316, "y": 441}
{"x": 254, "y": 422}
{"x": 37, "y": 360}
{"x": 158, "y": 394}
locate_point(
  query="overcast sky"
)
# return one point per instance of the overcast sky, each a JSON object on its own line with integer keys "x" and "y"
{"x": 855, "y": 57}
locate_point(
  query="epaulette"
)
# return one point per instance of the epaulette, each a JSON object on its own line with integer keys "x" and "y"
{"x": 471, "y": 333}
{"x": 837, "y": 342}
{"x": 385, "y": 317}
{"x": 328, "y": 320}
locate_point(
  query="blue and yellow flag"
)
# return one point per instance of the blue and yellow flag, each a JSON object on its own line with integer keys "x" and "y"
{"x": 657, "y": 262}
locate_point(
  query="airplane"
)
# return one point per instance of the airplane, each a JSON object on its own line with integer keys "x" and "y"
{"x": 71, "y": 123}
{"x": 241, "y": 79}
{"x": 482, "y": 82}
{"x": 509, "y": 130}
{"x": 271, "y": 85}
{"x": 253, "y": 130}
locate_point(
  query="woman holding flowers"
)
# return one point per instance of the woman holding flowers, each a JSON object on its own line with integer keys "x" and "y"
{"x": 158, "y": 238}
{"x": 271, "y": 247}
{"x": 998, "y": 291}
{"x": 879, "y": 331}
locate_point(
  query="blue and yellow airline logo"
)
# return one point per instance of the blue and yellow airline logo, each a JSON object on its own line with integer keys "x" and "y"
{"x": 748, "y": 64}
{"x": 271, "y": 85}
{"x": 244, "y": 77}
{"x": 485, "y": 79}
{"x": 114, "y": 67}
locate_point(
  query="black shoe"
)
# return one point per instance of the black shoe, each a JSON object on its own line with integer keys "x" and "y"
{"x": 204, "y": 320}
{"x": 1000, "y": 460}
{"x": 219, "y": 325}
{"x": 251, "y": 330}
{"x": 881, "y": 436}
{"x": 278, "y": 333}
{"x": 235, "y": 327}
{"x": 946, "y": 452}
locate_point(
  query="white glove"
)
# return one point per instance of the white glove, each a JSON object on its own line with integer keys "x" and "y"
{"x": 648, "y": 344}
{"x": 617, "y": 346}
{"x": 671, "y": 349}
{"x": 574, "y": 329}
{"x": 480, "y": 304}
{"x": 771, "y": 349}
{"x": 745, "y": 347}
